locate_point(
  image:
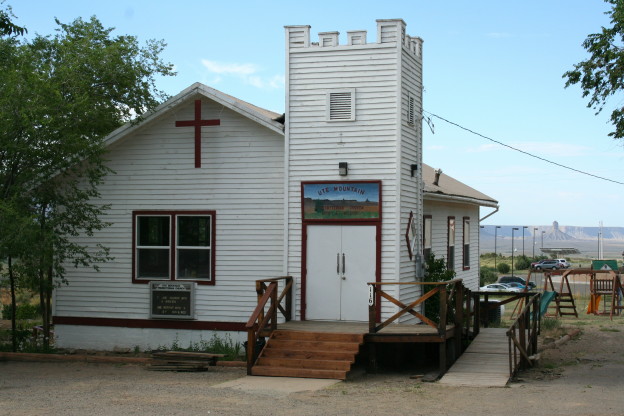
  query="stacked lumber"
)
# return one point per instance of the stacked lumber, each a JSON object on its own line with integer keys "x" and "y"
{"x": 182, "y": 361}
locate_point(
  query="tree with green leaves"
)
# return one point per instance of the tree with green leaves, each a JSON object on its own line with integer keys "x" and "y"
{"x": 602, "y": 74}
{"x": 7, "y": 27}
{"x": 59, "y": 97}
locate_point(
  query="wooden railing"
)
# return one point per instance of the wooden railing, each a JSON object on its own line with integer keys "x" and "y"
{"x": 454, "y": 305}
{"x": 522, "y": 336}
{"x": 263, "y": 320}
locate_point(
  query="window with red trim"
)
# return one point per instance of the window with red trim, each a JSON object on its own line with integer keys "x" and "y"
{"x": 466, "y": 238}
{"x": 427, "y": 236}
{"x": 173, "y": 246}
{"x": 450, "y": 254}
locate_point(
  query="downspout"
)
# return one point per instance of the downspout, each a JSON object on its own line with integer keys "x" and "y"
{"x": 489, "y": 215}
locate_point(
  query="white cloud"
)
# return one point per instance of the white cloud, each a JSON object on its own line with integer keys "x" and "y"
{"x": 498, "y": 35}
{"x": 228, "y": 68}
{"x": 247, "y": 72}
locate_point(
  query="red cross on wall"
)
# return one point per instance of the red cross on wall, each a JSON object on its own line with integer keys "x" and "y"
{"x": 197, "y": 123}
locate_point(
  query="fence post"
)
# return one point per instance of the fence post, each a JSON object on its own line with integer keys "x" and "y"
{"x": 459, "y": 318}
{"x": 260, "y": 289}
{"x": 273, "y": 289}
{"x": 522, "y": 339}
{"x": 443, "y": 306}
{"x": 289, "y": 295}
{"x": 477, "y": 314}
{"x": 251, "y": 342}
{"x": 372, "y": 315}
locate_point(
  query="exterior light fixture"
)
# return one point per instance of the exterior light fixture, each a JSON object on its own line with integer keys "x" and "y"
{"x": 343, "y": 168}
{"x": 413, "y": 169}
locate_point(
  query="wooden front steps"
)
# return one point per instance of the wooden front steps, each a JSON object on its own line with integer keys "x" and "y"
{"x": 308, "y": 355}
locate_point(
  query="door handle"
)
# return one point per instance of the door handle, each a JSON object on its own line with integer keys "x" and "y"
{"x": 344, "y": 267}
{"x": 337, "y": 263}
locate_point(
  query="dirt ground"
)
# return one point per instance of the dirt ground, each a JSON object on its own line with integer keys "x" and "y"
{"x": 584, "y": 376}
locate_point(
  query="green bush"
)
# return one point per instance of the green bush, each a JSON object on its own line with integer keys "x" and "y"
{"x": 435, "y": 271}
{"x": 487, "y": 275}
{"x": 522, "y": 263}
{"x": 24, "y": 311}
{"x": 503, "y": 268}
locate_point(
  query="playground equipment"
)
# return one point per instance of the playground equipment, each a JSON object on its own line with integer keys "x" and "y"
{"x": 606, "y": 290}
{"x": 564, "y": 301}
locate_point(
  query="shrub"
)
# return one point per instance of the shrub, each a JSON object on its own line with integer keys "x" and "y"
{"x": 24, "y": 311}
{"x": 503, "y": 268}
{"x": 435, "y": 271}
{"x": 487, "y": 275}
{"x": 522, "y": 263}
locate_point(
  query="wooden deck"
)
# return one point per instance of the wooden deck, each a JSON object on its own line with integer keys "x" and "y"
{"x": 421, "y": 330}
{"x": 484, "y": 364}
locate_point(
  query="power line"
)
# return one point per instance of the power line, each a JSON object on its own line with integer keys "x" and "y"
{"x": 522, "y": 151}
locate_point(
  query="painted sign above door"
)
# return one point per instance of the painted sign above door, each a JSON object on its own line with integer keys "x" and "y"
{"x": 341, "y": 200}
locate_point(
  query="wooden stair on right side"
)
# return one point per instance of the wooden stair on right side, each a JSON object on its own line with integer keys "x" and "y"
{"x": 308, "y": 355}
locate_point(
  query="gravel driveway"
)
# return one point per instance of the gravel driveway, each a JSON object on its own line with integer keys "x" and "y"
{"x": 583, "y": 377}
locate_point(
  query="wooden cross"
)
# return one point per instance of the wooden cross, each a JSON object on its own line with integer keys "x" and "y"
{"x": 197, "y": 123}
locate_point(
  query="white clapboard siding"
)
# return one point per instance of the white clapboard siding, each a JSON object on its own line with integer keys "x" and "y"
{"x": 371, "y": 144}
{"x": 241, "y": 178}
{"x": 440, "y": 212}
{"x": 411, "y": 188}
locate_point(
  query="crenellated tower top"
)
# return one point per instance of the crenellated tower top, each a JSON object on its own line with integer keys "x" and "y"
{"x": 388, "y": 31}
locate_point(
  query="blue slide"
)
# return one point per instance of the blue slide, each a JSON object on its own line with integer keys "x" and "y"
{"x": 547, "y": 297}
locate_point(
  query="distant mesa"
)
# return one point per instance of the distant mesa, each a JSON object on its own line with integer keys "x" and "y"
{"x": 557, "y": 235}
{"x": 555, "y": 232}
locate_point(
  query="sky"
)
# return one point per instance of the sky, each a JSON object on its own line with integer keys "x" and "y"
{"x": 493, "y": 68}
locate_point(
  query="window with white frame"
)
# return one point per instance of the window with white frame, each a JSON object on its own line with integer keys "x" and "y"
{"x": 174, "y": 246}
{"x": 450, "y": 255}
{"x": 427, "y": 236}
{"x": 466, "y": 248}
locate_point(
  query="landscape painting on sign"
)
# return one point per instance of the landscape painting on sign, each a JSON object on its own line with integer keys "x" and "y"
{"x": 341, "y": 200}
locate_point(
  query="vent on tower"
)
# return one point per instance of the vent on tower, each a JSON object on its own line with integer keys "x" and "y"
{"x": 411, "y": 109}
{"x": 328, "y": 39}
{"x": 356, "y": 37}
{"x": 341, "y": 105}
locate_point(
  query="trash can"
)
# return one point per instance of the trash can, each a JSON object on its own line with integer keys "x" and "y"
{"x": 260, "y": 343}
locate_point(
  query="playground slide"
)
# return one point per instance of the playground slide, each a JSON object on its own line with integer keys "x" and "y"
{"x": 594, "y": 304}
{"x": 547, "y": 297}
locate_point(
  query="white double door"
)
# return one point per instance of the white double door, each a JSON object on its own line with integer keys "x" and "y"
{"x": 340, "y": 260}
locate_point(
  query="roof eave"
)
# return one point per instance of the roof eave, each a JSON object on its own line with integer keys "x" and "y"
{"x": 458, "y": 198}
{"x": 195, "y": 89}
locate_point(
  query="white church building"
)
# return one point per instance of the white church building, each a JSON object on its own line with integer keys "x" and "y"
{"x": 211, "y": 193}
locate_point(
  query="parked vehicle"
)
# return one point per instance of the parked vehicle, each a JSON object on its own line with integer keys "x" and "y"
{"x": 546, "y": 265}
{"x": 498, "y": 287}
{"x": 564, "y": 263}
{"x": 517, "y": 285}
{"x": 517, "y": 279}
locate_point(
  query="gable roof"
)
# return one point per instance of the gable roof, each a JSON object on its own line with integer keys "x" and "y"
{"x": 448, "y": 188}
{"x": 269, "y": 119}
{"x": 451, "y": 189}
